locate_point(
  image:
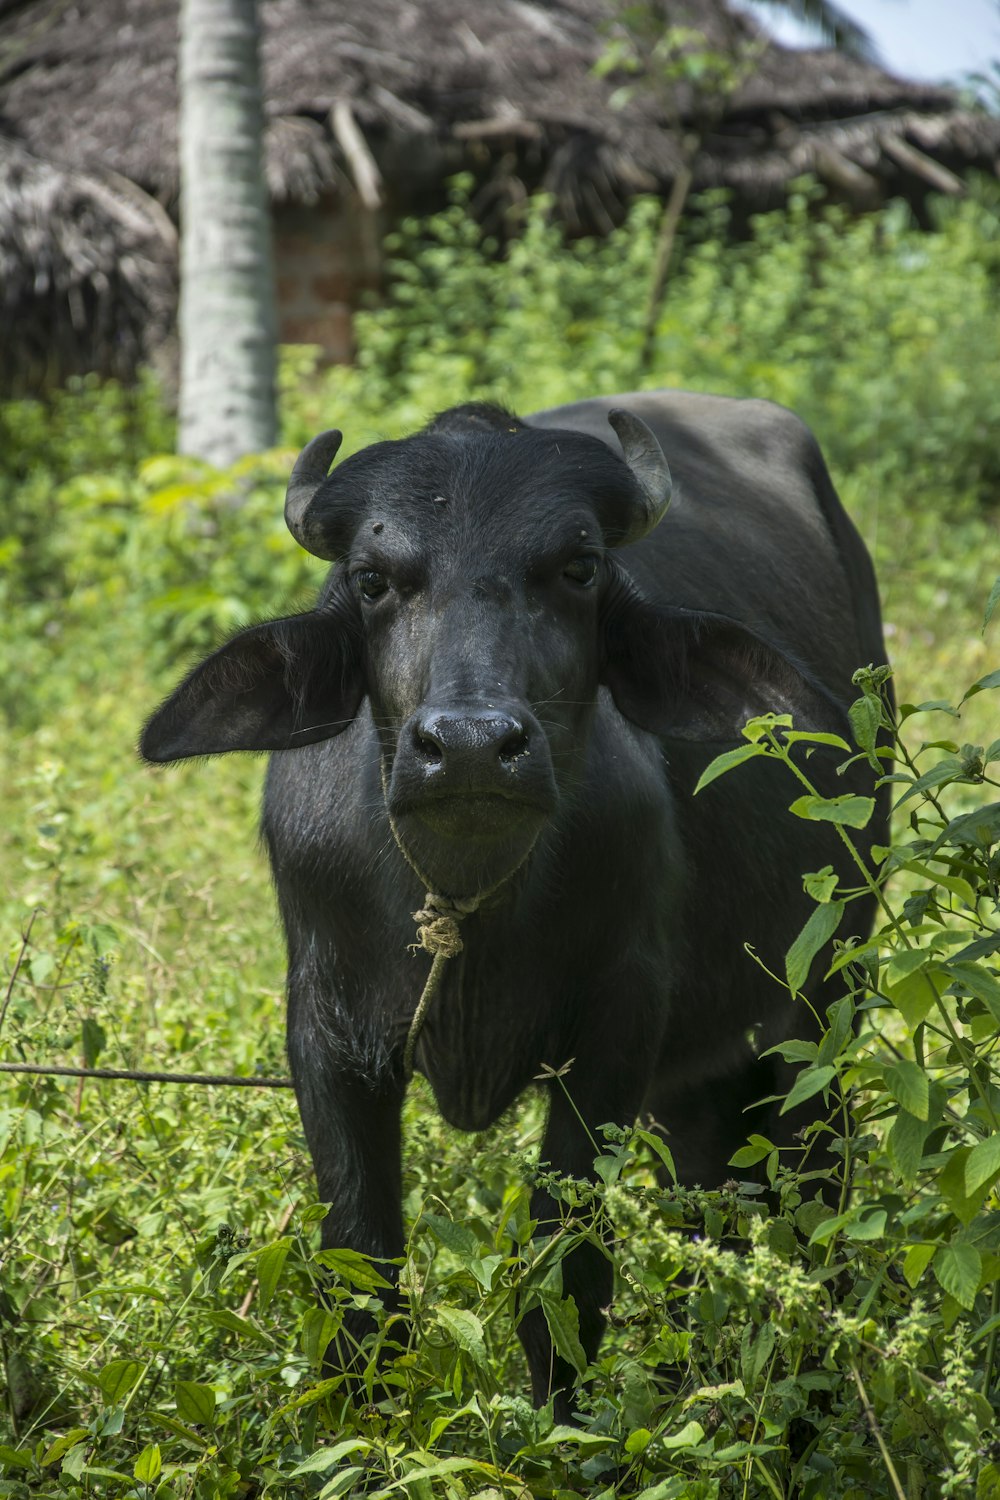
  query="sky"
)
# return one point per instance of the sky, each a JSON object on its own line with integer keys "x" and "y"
{"x": 928, "y": 39}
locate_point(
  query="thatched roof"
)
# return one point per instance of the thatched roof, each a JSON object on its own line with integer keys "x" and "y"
{"x": 388, "y": 97}
{"x": 88, "y": 273}
{"x": 91, "y": 83}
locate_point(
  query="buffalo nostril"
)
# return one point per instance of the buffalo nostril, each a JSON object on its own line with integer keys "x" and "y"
{"x": 513, "y": 745}
{"x": 430, "y": 749}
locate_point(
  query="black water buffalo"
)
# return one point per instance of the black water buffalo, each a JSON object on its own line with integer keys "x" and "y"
{"x": 504, "y": 696}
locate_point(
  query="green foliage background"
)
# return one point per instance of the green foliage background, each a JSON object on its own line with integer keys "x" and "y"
{"x": 148, "y": 1352}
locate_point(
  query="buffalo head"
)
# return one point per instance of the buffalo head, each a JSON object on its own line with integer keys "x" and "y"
{"x": 477, "y": 602}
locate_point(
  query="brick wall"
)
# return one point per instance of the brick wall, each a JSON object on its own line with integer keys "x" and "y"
{"x": 325, "y": 258}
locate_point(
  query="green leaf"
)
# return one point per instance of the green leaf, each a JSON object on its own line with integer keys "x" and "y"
{"x": 609, "y": 1168}
{"x": 484, "y": 1270}
{"x": 991, "y": 680}
{"x": 913, "y": 994}
{"x": 100, "y": 937}
{"x": 319, "y": 1326}
{"x": 270, "y": 1264}
{"x": 908, "y": 1085}
{"x": 959, "y": 1268}
{"x": 111, "y": 1424}
{"x": 755, "y": 1351}
{"x": 848, "y": 810}
{"x": 933, "y": 705}
{"x": 63, "y": 1444}
{"x": 955, "y": 884}
{"x": 658, "y": 1145}
{"x": 983, "y": 947}
{"x": 353, "y": 1267}
{"x": 419, "y": 1474}
{"x": 195, "y": 1402}
{"x": 817, "y": 932}
{"x": 865, "y": 718}
{"x": 564, "y": 1325}
{"x": 822, "y": 885}
{"x": 561, "y": 1433}
{"x": 815, "y": 737}
{"x": 325, "y": 1458}
{"x": 638, "y": 1440}
{"x": 980, "y": 827}
{"x": 751, "y": 1154}
{"x": 345, "y": 1481}
{"x": 809, "y": 1082}
{"x": 982, "y": 1165}
{"x": 442, "y": 1423}
{"x": 118, "y": 1379}
{"x": 755, "y": 729}
{"x": 840, "y": 1016}
{"x": 94, "y": 1039}
{"x": 794, "y": 1050}
{"x": 949, "y": 769}
{"x": 905, "y": 1144}
{"x": 723, "y": 763}
{"x": 148, "y": 1465}
{"x": 465, "y": 1330}
{"x": 866, "y": 1223}
{"x": 233, "y": 1323}
{"x": 916, "y": 1261}
{"x": 41, "y": 968}
{"x": 456, "y": 1237}
{"x": 16, "y": 1458}
{"x": 186, "y": 1434}
{"x": 980, "y": 982}
{"x": 951, "y": 1185}
{"x": 690, "y": 1435}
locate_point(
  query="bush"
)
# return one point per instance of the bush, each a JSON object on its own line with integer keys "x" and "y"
{"x": 884, "y": 338}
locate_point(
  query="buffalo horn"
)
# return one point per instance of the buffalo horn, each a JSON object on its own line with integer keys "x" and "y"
{"x": 650, "y": 470}
{"x": 311, "y": 468}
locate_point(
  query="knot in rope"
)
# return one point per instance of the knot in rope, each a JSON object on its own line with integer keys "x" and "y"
{"x": 437, "y": 923}
{"x": 437, "y": 933}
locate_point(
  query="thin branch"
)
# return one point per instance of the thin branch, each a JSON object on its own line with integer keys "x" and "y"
{"x": 225, "y": 1080}
{"x": 876, "y": 1432}
{"x": 25, "y": 936}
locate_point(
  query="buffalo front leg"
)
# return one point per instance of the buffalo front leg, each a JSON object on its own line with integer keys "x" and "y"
{"x": 353, "y": 1131}
{"x": 569, "y": 1150}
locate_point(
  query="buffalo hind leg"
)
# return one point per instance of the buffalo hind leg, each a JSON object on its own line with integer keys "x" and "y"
{"x": 707, "y": 1123}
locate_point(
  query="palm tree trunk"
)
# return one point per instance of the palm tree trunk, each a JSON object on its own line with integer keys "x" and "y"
{"x": 227, "y": 316}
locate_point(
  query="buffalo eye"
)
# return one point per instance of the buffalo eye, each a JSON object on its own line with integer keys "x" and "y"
{"x": 370, "y": 584}
{"x": 582, "y": 570}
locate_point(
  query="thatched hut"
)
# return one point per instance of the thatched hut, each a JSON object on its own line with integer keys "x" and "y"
{"x": 371, "y": 107}
{"x": 88, "y": 273}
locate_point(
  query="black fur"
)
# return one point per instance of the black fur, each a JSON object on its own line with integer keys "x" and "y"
{"x": 538, "y": 730}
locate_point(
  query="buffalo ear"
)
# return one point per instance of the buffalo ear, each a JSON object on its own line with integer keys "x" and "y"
{"x": 691, "y": 676}
{"x": 272, "y": 687}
